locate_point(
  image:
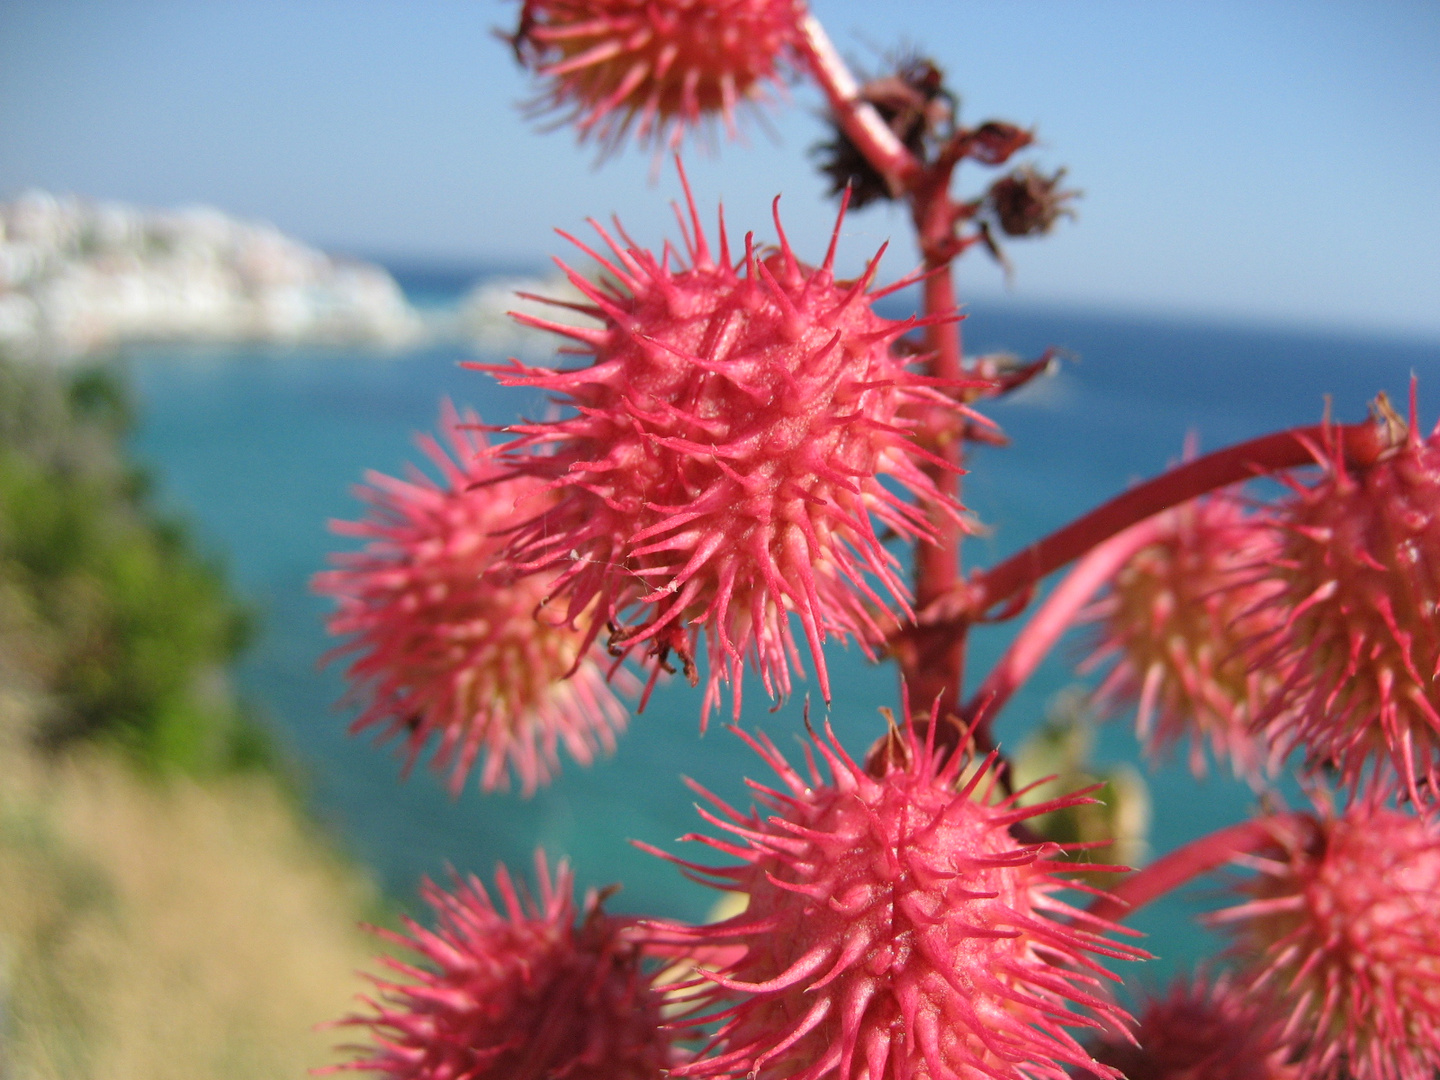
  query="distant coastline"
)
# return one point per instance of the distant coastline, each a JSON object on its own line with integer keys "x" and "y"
{"x": 79, "y": 277}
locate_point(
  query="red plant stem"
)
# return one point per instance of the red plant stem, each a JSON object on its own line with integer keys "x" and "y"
{"x": 1191, "y": 860}
{"x": 857, "y": 118}
{"x": 1361, "y": 444}
{"x": 933, "y": 665}
{"x": 931, "y": 658}
{"x": 1054, "y": 617}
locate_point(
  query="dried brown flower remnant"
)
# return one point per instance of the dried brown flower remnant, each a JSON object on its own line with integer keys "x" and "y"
{"x": 995, "y": 142}
{"x": 913, "y": 101}
{"x": 1028, "y": 203}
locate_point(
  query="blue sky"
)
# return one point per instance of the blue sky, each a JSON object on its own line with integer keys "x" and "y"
{"x": 1249, "y": 160}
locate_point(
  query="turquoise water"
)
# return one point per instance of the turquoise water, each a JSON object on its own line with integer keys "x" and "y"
{"x": 259, "y": 447}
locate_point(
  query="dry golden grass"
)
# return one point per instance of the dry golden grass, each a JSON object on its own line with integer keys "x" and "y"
{"x": 165, "y": 929}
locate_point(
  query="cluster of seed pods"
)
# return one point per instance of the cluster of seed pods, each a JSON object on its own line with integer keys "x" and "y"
{"x": 738, "y": 435}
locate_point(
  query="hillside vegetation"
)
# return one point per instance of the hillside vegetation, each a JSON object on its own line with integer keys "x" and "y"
{"x": 165, "y": 911}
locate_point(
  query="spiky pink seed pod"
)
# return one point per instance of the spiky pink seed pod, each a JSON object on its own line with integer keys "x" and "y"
{"x": 1205, "y": 1029}
{"x": 895, "y": 930}
{"x": 1358, "y": 640}
{"x": 448, "y": 644}
{"x": 723, "y": 465}
{"x": 523, "y": 993}
{"x": 1342, "y": 929}
{"x": 1175, "y": 624}
{"x": 655, "y": 68}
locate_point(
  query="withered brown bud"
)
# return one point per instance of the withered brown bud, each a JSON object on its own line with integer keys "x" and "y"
{"x": 1028, "y": 203}
{"x": 994, "y": 141}
{"x": 914, "y": 104}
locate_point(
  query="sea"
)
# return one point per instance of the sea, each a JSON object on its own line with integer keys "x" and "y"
{"x": 260, "y": 449}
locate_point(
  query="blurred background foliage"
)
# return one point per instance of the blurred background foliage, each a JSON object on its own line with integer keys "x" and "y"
{"x": 1057, "y": 759}
{"x": 167, "y": 912}
{"x": 108, "y": 607}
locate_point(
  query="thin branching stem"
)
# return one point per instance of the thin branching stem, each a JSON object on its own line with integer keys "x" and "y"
{"x": 1362, "y": 444}
{"x": 1053, "y": 618}
{"x": 1193, "y": 859}
{"x": 931, "y": 659}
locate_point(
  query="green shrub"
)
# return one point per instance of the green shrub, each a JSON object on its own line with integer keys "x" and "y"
{"x": 109, "y": 607}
